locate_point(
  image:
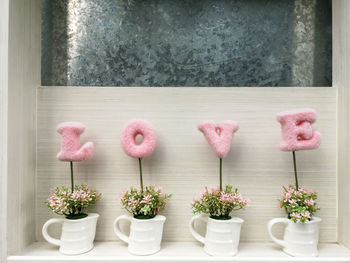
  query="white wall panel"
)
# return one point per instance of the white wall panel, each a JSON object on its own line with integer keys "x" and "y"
{"x": 341, "y": 65}
{"x": 183, "y": 162}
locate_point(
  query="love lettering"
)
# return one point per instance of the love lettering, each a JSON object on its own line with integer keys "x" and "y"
{"x": 297, "y": 134}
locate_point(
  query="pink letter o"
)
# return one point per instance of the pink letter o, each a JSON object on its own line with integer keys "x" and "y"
{"x": 128, "y": 139}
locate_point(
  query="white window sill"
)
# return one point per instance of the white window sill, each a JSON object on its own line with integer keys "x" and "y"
{"x": 173, "y": 252}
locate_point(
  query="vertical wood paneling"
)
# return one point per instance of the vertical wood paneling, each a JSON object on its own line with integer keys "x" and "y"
{"x": 341, "y": 65}
{"x": 183, "y": 163}
{"x": 24, "y": 78}
{"x": 4, "y": 16}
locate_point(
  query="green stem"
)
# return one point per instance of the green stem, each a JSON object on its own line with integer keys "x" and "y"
{"x": 220, "y": 174}
{"x": 295, "y": 171}
{"x": 71, "y": 176}
{"x": 141, "y": 181}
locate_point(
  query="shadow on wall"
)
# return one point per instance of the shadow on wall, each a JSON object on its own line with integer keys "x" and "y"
{"x": 186, "y": 43}
{"x": 54, "y": 43}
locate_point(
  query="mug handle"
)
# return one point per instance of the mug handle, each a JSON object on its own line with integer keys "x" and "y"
{"x": 117, "y": 229}
{"x": 194, "y": 233}
{"x": 270, "y": 224}
{"x": 46, "y": 235}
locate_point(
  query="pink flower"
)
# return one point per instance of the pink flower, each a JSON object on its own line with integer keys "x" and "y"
{"x": 291, "y": 191}
{"x": 309, "y": 202}
{"x": 292, "y": 202}
{"x": 306, "y": 214}
{"x": 309, "y": 191}
{"x": 146, "y": 199}
{"x": 215, "y": 190}
{"x": 287, "y": 195}
{"x": 296, "y": 215}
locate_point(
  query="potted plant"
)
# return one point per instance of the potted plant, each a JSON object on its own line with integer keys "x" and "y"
{"x": 144, "y": 203}
{"x": 78, "y": 230}
{"x": 223, "y": 230}
{"x": 302, "y": 231}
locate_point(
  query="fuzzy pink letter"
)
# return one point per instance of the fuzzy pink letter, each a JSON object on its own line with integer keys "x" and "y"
{"x": 219, "y": 136}
{"x": 128, "y": 139}
{"x": 297, "y": 133}
{"x": 70, "y": 143}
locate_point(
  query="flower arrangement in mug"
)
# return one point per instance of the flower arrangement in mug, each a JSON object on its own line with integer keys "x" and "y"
{"x": 219, "y": 202}
{"x": 72, "y": 201}
{"x": 299, "y": 203}
{"x": 297, "y": 134}
{"x": 144, "y": 202}
{"x": 72, "y": 204}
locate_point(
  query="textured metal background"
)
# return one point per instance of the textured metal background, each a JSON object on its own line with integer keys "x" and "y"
{"x": 187, "y": 42}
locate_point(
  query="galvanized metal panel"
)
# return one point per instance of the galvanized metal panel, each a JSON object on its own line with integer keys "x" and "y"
{"x": 187, "y": 43}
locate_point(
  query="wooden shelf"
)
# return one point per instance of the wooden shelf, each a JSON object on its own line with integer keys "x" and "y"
{"x": 173, "y": 252}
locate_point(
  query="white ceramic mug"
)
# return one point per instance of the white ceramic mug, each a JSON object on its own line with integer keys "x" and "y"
{"x": 222, "y": 236}
{"x": 145, "y": 234}
{"x": 77, "y": 234}
{"x": 300, "y": 240}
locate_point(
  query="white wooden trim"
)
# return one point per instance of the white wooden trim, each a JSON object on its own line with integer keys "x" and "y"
{"x": 23, "y": 78}
{"x": 4, "y": 22}
{"x": 341, "y": 69}
{"x": 178, "y": 252}
{"x": 341, "y": 80}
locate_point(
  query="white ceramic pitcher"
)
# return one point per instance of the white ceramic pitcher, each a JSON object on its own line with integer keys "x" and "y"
{"x": 145, "y": 234}
{"x": 77, "y": 234}
{"x": 222, "y": 236}
{"x": 300, "y": 240}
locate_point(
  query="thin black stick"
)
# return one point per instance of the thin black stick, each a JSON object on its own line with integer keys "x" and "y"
{"x": 220, "y": 174}
{"x": 295, "y": 172}
{"x": 71, "y": 175}
{"x": 141, "y": 181}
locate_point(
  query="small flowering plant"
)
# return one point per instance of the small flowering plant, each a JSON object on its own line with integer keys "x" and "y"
{"x": 219, "y": 204}
{"x": 148, "y": 201}
{"x": 144, "y": 203}
{"x": 220, "y": 201}
{"x": 299, "y": 204}
{"x": 72, "y": 204}
{"x": 297, "y": 134}
{"x": 72, "y": 201}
